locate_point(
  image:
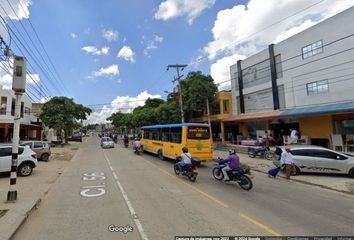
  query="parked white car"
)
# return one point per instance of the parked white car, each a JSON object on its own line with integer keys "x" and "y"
{"x": 315, "y": 159}
{"x": 27, "y": 160}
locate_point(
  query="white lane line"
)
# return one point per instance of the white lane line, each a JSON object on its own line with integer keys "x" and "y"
{"x": 129, "y": 205}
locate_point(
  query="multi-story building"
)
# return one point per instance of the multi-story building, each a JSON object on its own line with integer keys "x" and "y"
{"x": 7, "y": 111}
{"x": 304, "y": 82}
{"x": 220, "y": 108}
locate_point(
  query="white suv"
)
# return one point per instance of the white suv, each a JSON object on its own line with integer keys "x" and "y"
{"x": 27, "y": 160}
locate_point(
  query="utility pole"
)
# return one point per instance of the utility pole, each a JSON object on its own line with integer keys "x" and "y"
{"x": 178, "y": 66}
{"x": 19, "y": 87}
{"x": 208, "y": 112}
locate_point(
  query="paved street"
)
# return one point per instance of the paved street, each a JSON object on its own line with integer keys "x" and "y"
{"x": 115, "y": 187}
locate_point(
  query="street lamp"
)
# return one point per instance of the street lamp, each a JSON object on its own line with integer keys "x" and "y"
{"x": 19, "y": 87}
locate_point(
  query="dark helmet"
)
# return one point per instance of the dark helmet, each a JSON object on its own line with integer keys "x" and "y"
{"x": 185, "y": 149}
{"x": 232, "y": 151}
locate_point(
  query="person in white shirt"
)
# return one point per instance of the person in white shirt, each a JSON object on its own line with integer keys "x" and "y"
{"x": 137, "y": 143}
{"x": 287, "y": 161}
{"x": 186, "y": 159}
{"x": 294, "y": 136}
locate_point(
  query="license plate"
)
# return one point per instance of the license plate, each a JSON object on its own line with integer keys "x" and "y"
{"x": 195, "y": 170}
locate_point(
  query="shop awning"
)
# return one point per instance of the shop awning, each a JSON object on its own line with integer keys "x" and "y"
{"x": 253, "y": 117}
{"x": 318, "y": 110}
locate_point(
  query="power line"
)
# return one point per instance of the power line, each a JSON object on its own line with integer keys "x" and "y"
{"x": 24, "y": 47}
{"x": 29, "y": 37}
{"x": 45, "y": 51}
{"x": 261, "y": 30}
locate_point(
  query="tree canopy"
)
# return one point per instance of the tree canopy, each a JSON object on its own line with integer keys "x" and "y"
{"x": 63, "y": 113}
{"x": 196, "y": 89}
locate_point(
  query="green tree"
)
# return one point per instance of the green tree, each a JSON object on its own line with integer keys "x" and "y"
{"x": 196, "y": 89}
{"x": 62, "y": 113}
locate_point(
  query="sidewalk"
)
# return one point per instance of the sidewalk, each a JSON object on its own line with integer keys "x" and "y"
{"x": 340, "y": 183}
{"x": 31, "y": 190}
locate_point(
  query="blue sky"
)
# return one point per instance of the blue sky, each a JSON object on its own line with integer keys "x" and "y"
{"x": 83, "y": 39}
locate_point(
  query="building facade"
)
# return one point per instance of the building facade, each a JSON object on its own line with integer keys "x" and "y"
{"x": 219, "y": 109}
{"x": 28, "y": 130}
{"x": 305, "y": 82}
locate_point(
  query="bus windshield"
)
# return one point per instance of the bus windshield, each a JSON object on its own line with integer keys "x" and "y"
{"x": 198, "y": 133}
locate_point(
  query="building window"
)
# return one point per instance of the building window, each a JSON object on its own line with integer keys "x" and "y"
{"x": 225, "y": 104}
{"x": 215, "y": 108}
{"x": 312, "y": 49}
{"x": 278, "y": 66}
{"x": 3, "y": 105}
{"x": 317, "y": 87}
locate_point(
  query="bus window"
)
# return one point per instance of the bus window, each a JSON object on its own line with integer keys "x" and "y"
{"x": 165, "y": 134}
{"x": 198, "y": 133}
{"x": 146, "y": 133}
{"x": 155, "y": 134}
{"x": 176, "y": 135}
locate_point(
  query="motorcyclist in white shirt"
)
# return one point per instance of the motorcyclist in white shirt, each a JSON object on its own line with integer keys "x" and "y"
{"x": 186, "y": 159}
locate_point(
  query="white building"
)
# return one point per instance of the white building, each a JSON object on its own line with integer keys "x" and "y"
{"x": 304, "y": 82}
{"x": 7, "y": 110}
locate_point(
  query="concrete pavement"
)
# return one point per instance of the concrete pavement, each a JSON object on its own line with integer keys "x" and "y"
{"x": 165, "y": 205}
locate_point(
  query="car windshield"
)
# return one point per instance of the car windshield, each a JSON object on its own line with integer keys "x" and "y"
{"x": 106, "y": 139}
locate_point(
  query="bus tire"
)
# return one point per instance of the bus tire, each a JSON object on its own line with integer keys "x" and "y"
{"x": 160, "y": 154}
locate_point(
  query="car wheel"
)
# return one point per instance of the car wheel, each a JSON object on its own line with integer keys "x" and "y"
{"x": 25, "y": 169}
{"x": 351, "y": 173}
{"x": 45, "y": 157}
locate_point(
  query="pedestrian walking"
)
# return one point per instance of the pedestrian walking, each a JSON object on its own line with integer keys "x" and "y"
{"x": 294, "y": 135}
{"x": 287, "y": 162}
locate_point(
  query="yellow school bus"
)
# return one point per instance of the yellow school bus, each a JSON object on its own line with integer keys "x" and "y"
{"x": 168, "y": 140}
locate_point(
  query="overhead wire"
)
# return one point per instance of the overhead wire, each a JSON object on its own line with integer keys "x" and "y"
{"x": 59, "y": 81}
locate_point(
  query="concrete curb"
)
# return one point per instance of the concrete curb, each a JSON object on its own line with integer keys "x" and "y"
{"x": 308, "y": 183}
{"x": 16, "y": 215}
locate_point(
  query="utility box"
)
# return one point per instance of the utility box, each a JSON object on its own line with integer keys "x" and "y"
{"x": 19, "y": 74}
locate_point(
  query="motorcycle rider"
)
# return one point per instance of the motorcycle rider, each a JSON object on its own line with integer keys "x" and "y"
{"x": 126, "y": 139}
{"x": 186, "y": 159}
{"x": 137, "y": 144}
{"x": 233, "y": 162}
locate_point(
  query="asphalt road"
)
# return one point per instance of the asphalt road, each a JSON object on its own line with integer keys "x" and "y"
{"x": 142, "y": 192}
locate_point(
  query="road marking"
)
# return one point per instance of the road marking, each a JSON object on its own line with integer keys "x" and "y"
{"x": 210, "y": 197}
{"x": 129, "y": 205}
{"x": 260, "y": 225}
{"x": 214, "y": 199}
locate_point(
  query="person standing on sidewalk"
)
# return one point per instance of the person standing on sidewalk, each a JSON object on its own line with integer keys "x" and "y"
{"x": 287, "y": 161}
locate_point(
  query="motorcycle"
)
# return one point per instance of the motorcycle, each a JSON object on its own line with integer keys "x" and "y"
{"x": 261, "y": 152}
{"x": 126, "y": 144}
{"x": 237, "y": 175}
{"x": 191, "y": 170}
{"x": 138, "y": 150}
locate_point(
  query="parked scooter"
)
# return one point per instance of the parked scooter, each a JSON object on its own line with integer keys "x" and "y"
{"x": 191, "y": 171}
{"x": 261, "y": 152}
{"x": 237, "y": 175}
{"x": 126, "y": 144}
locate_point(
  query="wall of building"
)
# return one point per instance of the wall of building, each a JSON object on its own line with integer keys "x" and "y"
{"x": 7, "y": 117}
{"x": 334, "y": 64}
{"x": 316, "y": 126}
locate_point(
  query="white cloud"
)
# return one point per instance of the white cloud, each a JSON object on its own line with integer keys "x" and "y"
{"x": 108, "y": 71}
{"x": 151, "y": 44}
{"x": 176, "y": 8}
{"x": 237, "y": 30}
{"x": 21, "y": 11}
{"x": 45, "y": 99}
{"x": 127, "y": 54}
{"x": 73, "y": 35}
{"x": 220, "y": 71}
{"x": 110, "y": 35}
{"x": 292, "y": 31}
{"x": 123, "y": 104}
{"x": 95, "y": 51}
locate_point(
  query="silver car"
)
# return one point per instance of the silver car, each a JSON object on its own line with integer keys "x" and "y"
{"x": 315, "y": 159}
{"x": 107, "y": 142}
{"x": 41, "y": 148}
